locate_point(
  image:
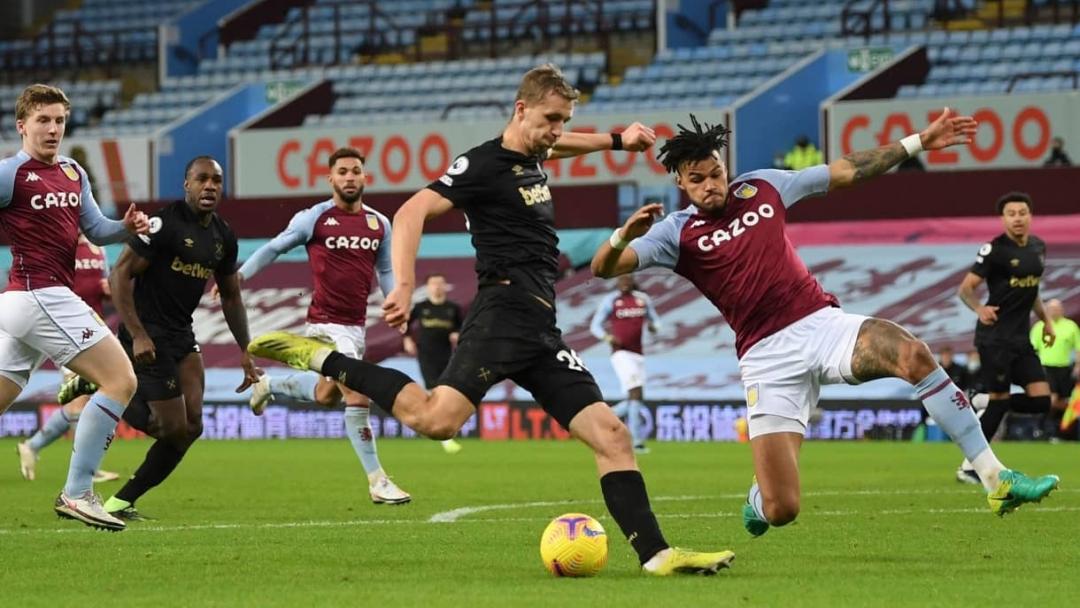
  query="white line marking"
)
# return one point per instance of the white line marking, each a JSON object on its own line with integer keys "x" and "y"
{"x": 455, "y": 515}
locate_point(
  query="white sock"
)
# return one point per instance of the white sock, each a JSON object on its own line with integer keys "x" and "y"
{"x": 988, "y": 466}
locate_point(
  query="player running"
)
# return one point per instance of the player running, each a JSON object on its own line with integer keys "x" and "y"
{"x": 1012, "y": 266}
{"x": 157, "y": 284}
{"x": 45, "y": 200}
{"x": 628, "y": 313}
{"x": 510, "y": 330}
{"x": 348, "y": 243}
{"x": 790, "y": 335}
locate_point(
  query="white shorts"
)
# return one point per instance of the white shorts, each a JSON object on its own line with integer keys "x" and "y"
{"x": 347, "y": 339}
{"x": 630, "y": 368}
{"x": 51, "y": 322}
{"x": 783, "y": 373}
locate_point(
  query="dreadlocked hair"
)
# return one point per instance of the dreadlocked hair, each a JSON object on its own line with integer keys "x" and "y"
{"x": 692, "y": 145}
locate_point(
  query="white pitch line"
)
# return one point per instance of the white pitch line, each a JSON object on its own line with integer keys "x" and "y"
{"x": 451, "y": 516}
{"x": 455, "y": 515}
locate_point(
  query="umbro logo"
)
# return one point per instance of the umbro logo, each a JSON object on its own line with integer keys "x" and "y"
{"x": 32, "y": 177}
{"x": 698, "y": 223}
{"x": 331, "y": 222}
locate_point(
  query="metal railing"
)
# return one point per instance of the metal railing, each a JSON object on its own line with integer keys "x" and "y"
{"x": 855, "y": 21}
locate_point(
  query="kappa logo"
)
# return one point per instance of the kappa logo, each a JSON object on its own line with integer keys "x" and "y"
{"x": 87, "y": 333}
{"x": 331, "y": 222}
{"x": 32, "y": 177}
{"x": 698, "y": 223}
{"x": 746, "y": 191}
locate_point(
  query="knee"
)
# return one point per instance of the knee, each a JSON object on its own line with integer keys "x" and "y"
{"x": 439, "y": 429}
{"x": 916, "y": 361}
{"x": 121, "y": 385}
{"x": 173, "y": 431}
{"x": 613, "y": 440}
{"x": 781, "y": 510}
{"x": 328, "y": 400}
{"x": 194, "y": 430}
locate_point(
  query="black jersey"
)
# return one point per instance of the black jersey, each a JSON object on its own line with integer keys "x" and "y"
{"x": 509, "y": 212}
{"x": 436, "y": 322}
{"x": 1012, "y": 275}
{"x": 183, "y": 255}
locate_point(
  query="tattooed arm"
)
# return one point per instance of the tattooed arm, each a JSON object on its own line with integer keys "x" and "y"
{"x": 947, "y": 130}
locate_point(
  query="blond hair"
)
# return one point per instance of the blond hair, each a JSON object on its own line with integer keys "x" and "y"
{"x": 544, "y": 79}
{"x": 37, "y": 95}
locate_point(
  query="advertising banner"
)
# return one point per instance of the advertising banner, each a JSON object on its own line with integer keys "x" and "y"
{"x": 120, "y": 167}
{"x": 521, "y": 421}
{"x": 1015, "y": 131}
{"x": 406, "y": 157}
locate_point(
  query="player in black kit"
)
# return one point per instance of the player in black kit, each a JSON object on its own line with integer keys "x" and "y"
{"x": 510, "y": 330}
{"x": 1012, "y": 266}
{"x": 439, "y": 322}
{"x": 157, "y": 284}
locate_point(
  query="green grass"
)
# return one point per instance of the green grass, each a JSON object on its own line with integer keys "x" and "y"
{"x": 290, "y": 524}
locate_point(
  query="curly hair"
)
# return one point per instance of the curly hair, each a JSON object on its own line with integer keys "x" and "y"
{"x": 691, "y": 145}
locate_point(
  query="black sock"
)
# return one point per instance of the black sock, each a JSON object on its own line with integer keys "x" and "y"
{"x": 1029, "y": 405}
{"x": 161, "y": 460}
{"x": 992, "y": 417}
{"x": 628, "y": 503}
{"x": 382, "y": 384}
{"x": 137, "y": 414}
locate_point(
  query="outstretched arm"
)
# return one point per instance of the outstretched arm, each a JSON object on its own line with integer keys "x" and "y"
{"x": 614, "y": 258}
{"x": 947, "y": 130}
{"x": 405, "y": 241}
{"x": 635, "y": 138}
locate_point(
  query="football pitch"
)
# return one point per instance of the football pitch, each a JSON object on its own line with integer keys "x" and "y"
{"x": 289, "y": 523}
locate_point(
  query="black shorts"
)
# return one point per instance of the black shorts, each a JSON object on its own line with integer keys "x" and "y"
{"x": 160, "y": 380}
{"x": 1061, "y": 380}
{"x": 431, "y": 368}
{"x": 509, "y": 333}
{"x": 1009, "y": 363}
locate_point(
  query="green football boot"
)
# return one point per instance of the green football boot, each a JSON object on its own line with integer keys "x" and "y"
{"x": 1015, "y": 489}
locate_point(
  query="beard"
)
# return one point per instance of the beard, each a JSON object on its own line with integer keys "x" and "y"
{"x": 350, "y": 198}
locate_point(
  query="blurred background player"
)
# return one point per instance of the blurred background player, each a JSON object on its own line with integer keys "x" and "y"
{"x": 790, "y": 335}
{"x": 45, "y": 200}
{"x": 157, "y": 284}
{"x": 1011, "y": 266}
{"x": 627, "y": 311}
{"x": 92, "y": 285}
{"x": 511, "y": 330}
{"x": 1059, "y": 360}
{"x": 439, "y": 322}
{"x": 348, "y": 243}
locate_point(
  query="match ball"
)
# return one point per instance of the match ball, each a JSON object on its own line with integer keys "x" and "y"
{"x": 574, "y": 544}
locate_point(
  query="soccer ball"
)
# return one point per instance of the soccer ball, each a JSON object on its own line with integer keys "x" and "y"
{"x": 574, "y": 544}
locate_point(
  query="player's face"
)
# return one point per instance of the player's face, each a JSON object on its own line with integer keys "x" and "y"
{"x": 1017, "y": 219}
{"x": 542, "y": 123}
{"x": 625, "y": 283}
{"x": 347, "y": 179}
{"x": 436, "y": 287}
{"x": 705, "y": 182}
{"x": 43, "y": 130}
{"x": 204, "y": 186}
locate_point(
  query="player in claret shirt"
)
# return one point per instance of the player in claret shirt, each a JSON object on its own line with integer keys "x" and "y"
{"x": 348, "y": 244}
{"x": 628, "y": 312}
{"x": 790, "y": 335}
{"x": 45, "y": 200}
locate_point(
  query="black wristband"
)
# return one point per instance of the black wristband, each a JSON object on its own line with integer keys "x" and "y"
{"x": 616, "y": 141}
